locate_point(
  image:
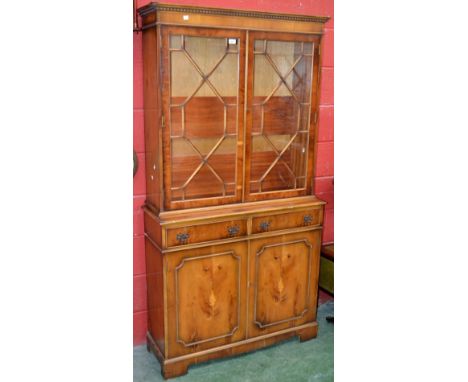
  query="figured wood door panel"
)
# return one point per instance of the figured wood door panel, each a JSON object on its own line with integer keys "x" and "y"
{"x": 283, "y": 281}
{"x": 206, "y": 292}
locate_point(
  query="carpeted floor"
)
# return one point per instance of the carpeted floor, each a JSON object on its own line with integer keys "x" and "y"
{"x": 288, "y": 361}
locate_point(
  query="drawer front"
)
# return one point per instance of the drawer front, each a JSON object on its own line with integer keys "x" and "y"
{"x": 206, "y": 232}
{"x": 309, "y": 217}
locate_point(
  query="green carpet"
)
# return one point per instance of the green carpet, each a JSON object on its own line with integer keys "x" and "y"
{"x": 287, "y": 361}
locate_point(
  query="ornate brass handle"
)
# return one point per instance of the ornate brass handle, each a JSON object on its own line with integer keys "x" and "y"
{"x": 307, "y": 219}
{"x": 182, "y": 237}
{"x": 264, "y": 225}
{"x": 233, "y": 230}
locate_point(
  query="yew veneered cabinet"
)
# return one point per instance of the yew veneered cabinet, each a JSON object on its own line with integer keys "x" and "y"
{"x": 232, "y": 226}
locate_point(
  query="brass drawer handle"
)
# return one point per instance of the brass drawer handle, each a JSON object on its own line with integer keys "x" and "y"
{"x": 307, "y": 219}
{"x": 182, "y": 238}
{"x": 233, "y": 230}
{"x": 264, "y": 225}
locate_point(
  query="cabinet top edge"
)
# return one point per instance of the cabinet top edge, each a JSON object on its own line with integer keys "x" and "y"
{"x": 237, "y": 210}
{"x": 161, "y": 7}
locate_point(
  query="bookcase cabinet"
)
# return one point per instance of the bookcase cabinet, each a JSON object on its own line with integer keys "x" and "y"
{"x": 232, "y": 226}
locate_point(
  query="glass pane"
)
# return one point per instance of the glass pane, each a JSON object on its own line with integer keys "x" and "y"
{"x": 184, "y": 161}
{"x": 203, "y": 116}
{"x": 280, "y": 115}
{"x": 175, "y": 42}
{"x": 259, "y": 46}
{"x": 198, "y": 187}
{"x": 221, "y": 161}
{"x": 184, "y": 77}
{"x": 282, "y": 55}
{"x": 206, "y": 52}
{"x": 224, "y": 78}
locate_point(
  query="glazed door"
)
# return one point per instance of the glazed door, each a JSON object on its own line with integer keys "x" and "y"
{"x": 206, "y": 293}
{"x": 282, "y": 95}
{"x": 203, "y": 109}
{"x": 283, "y": 281}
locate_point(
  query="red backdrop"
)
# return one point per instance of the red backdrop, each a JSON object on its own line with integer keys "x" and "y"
{"x": 324, "y": 166}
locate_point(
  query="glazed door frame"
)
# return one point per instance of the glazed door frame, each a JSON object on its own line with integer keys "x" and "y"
{"x": 166, "y": 31}
{"x": 313, "y": 116}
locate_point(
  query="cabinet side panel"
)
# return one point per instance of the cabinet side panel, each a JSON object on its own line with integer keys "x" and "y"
{"x": 154, "y": 277}
{"x": 152, "y": 114}
{"x": 153, "y": 228}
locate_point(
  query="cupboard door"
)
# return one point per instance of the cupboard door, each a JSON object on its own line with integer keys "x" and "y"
{"x": 283, "y": 281}
{"x": 203, "y": 109}
{"x": 282, "y": 97}
{"x": 206, "y": 293}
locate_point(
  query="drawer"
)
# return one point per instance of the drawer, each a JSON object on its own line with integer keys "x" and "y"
{"x": 309, "y": 217}
{"x": 205, "y": 232}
